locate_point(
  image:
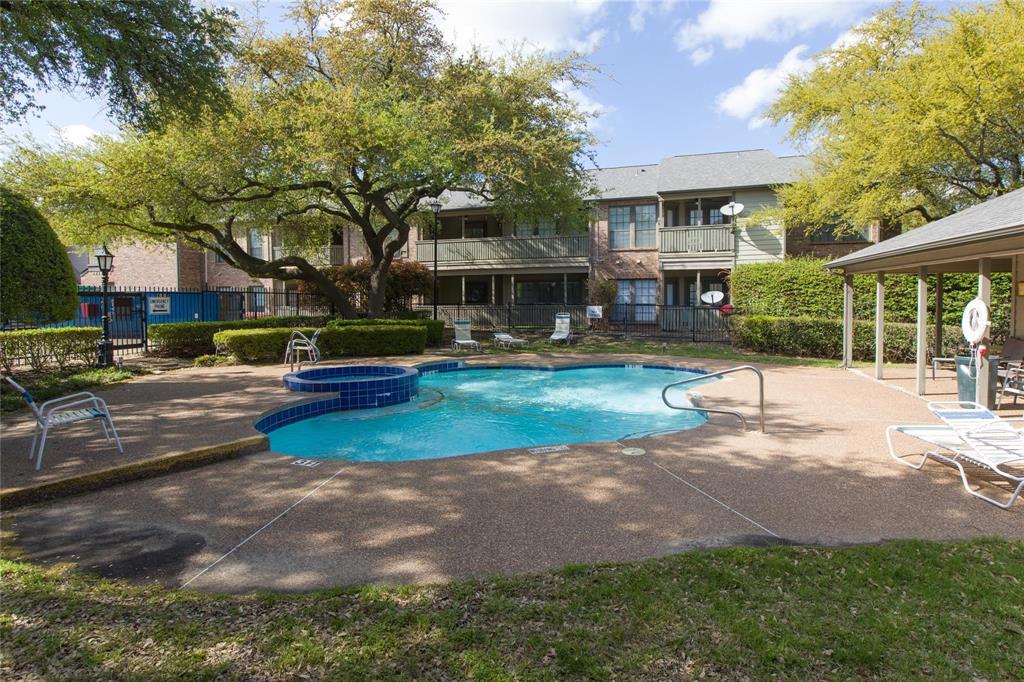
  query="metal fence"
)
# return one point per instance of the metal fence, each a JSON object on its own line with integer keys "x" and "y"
{"x": 693, "y": 323}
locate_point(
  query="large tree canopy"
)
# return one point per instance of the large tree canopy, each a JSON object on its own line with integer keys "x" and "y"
{"x": 151, "y": 58}
{"x": 920, "y": 115}
{"x": 37, "y": 282}
{"x": 357, "y": 117}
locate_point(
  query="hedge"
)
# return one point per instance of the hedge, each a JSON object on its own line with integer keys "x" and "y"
{"x": 192, "y": 339}
{"x": 41, "y": 347}
{"x": 435, "y": 328}
{"x": 798, "y": 287}
{"x": 266, "y": 345}
{"x": 823, "y": 338}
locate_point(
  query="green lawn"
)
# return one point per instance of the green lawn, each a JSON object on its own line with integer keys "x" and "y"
{"x": 899, "y": 610}
{"x": 44, "y": 386}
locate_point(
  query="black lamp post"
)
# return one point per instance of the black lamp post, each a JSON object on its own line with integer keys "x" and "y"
{"x": 435, "y": 208}
{"x": 105, "y": 262}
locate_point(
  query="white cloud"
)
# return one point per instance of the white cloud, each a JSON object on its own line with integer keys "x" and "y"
{"x": 502, "y": 26}
{"x": 701, "y": 55}
{"x": 643, "y": 8}
{"x": 761, "y": 86}
{"x": 76, "y": 134}
{"x": 733, "y": 24}
{"x": 587, "y": 104}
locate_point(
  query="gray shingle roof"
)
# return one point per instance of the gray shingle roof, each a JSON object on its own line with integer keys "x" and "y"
{"x": 976, "y": 223}
{"x": 688, "y": 173}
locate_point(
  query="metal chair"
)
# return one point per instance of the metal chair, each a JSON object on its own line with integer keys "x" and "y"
{"x": 69, "y": 409}
{"x": 298, "y": 344}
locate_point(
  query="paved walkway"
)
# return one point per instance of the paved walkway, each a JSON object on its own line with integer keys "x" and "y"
{"x": 820, "y": 474}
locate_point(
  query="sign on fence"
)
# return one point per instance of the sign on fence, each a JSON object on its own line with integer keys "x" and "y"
{"x": 159, "y": 305}
{"x": 595, "y": 312}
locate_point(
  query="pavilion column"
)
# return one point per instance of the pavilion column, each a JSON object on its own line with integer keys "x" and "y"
{"x": 922, "y": 328}
{"x": 985, "y": 294}
{"x": 493, "y": 294}
{"x": 937, "y": 350}
{"x": 463, "y": 290}
{"x": 565, "y": 288}
{"x": 847, "y": 320}
{"x": 879, "y": 324}
{"x": 512, "y": 294}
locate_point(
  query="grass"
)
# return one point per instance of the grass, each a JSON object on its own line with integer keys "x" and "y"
{"x": 901, "y": 610}
{"x": 46, "y": 385}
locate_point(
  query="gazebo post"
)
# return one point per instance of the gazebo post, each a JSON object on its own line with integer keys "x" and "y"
{"x": 879, "y": 324}
{"x": 985, "y": 294}
{"x": 937, "y": 350}
{"x": 847, "y": 320}
{"x": 922, "y": 327}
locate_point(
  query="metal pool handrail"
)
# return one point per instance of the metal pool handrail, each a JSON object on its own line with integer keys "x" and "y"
{"x": 720, "y": 410}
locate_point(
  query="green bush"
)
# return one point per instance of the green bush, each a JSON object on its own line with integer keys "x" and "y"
{"x": 192, "y": 339}
{"x": 37, "y": 282}
{"x": 823, "y": 338}
{"x": 266, "y": 345}
{"x": 41, "y": 347}
{"x": 799, "y": 287}
{"x": 435, "y": 328}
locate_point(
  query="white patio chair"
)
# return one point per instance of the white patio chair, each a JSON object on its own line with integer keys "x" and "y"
{"x": 69, "y": 409}
{"x": 563, "y": 329}
{"x": 464, "y": 336}
{"x": 299, "y": 344}
{"x": 970, "y": 434}
{"x": 503, "y": 340}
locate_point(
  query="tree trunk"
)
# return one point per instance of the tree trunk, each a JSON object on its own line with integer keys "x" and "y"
{"x": 378, "y": 288}
{"x": 330, "y": 290}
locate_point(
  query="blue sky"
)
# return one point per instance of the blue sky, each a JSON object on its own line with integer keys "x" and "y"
{"x": 677, "y": 77}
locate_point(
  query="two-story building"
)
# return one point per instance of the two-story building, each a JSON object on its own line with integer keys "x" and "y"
{"x": 658, "y": 231}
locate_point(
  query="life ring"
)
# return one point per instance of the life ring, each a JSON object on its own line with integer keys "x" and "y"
{"x": 975, "y": 321}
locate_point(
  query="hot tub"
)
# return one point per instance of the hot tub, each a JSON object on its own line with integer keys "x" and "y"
{"x": 358, "y": 386}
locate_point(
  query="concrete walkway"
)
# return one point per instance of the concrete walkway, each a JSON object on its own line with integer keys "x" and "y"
{"x": 820, "y": 474}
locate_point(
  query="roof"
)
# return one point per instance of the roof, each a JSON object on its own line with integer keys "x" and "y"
{"x": 686, "y": 173}
{"x": 999, "y": 217}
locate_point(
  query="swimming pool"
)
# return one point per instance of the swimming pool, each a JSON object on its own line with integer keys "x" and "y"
{"x": 473, "y": 410}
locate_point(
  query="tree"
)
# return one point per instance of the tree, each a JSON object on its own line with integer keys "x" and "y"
{"x": 406, "y": 278}
{"x": 37, "y": 282}
{"x": 355, "y": 123}
{"x": 152, "y": 58}
{"x": 920, "y": 115}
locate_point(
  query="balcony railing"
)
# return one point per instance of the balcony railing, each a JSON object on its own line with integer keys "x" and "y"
{"x": 698, "y": 239}
{"x": 504, "y": 249}
{"x": 326, "y": 255}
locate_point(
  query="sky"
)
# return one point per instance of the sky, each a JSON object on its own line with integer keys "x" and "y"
{"x": 675, "y": 77}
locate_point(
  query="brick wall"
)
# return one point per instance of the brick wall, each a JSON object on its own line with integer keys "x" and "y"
{"x": 607, "y": 263}
{"x": 139, "y": 266}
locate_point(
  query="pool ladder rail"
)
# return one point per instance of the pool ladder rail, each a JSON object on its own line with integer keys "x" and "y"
{"x": 720, "y": 410}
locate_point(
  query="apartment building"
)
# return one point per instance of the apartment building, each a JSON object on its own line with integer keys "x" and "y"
{"x": 658, "y": 230}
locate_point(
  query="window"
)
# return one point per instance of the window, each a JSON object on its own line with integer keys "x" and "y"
{"x": 475, "y": 229}
{"x": 255, "y": 243}
{"x": 257, "y": 303}
{"x": 542, "y": 228}
{"x": 715, "y": 216}
{"x": 827, "y": 234}
{"x": 639, "y": 220}
{"x": 706, "y": 211}
{"x": 636, "y": 300}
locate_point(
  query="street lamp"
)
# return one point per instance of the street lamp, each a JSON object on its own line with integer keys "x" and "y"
{"x": 105, "y": 262}
{"x": 435, "y": 208}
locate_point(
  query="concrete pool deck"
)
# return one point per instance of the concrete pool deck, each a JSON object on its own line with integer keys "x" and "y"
{"x": 821, "y": 474}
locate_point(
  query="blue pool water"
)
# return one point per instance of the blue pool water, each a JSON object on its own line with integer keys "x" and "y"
{"x": 479, "y": 410}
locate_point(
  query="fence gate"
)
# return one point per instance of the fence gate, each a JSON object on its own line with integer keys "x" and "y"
{"x": 128, "y": 320}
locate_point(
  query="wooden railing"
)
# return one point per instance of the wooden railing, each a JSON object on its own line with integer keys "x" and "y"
{"x": 326, "y": 255}
{"x": 504, "y": 249}
{"x": 700, "y": 239}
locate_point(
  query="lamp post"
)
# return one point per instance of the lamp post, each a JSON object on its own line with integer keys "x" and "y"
{"x": 105, "y": 262}
{"x": 435, "y": 208}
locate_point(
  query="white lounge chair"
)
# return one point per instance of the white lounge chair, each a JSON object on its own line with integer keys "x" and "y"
{"x": 970, "y": 434}
{"x": 299, "y": 344}
{"x": 503, "y": 340}
{"x": 464, "y": 336}
{"x": 69, "y": 409}
{"x": 563, "y": 329}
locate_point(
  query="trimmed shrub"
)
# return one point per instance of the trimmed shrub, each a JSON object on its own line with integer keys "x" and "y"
{"x": 268, "y": 345}
{"x": 798, "y": 287}
{"x": 37, "y": 282}
{"x": 435, "y": 328}
{"x": 823, "y": 338}
{"x": 192, "y": 339}
{"x": 41, "y": 347}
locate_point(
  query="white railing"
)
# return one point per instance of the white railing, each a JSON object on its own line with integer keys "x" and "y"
{"x": 505, "y": 249}
{"x": 698, "y": 239}
{"x": 325, "y": 255}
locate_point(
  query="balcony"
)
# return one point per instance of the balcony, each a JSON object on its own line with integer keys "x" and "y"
{"x": 324, "y": 256}
{"x": 701, "y": 245}
{"x": 558, "y": 251}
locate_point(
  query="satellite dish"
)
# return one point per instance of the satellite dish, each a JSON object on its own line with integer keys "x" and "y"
{"x": 732, "y": 208}
{"x": 712, "y": 297}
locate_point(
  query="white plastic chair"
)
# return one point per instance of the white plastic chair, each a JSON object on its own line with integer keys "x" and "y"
{"x": 69, "y": 409}
{"x": 464, "y": 336}
{"x": 299, "y": 344}
{"x": 503, "y": 340}
{"x": 563, "y": 329}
